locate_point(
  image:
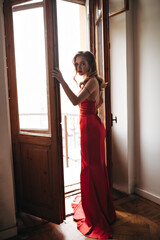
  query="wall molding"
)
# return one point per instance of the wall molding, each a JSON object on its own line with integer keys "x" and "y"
{"x": 9, "y": 232}
{"x": 148, "y": 195}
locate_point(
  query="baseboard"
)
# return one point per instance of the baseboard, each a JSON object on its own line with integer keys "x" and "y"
{"x": 8, "y": 233}
{"x": 148, "y": 195}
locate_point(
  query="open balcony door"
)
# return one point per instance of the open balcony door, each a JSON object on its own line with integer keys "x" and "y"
{"x": 36, "y": 132}
{"x": 37, "y": 150}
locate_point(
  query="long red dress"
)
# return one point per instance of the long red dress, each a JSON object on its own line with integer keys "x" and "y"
{"x": 94, "y": 210}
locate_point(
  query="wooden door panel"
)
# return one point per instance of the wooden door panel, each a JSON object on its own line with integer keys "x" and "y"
{"x": 36, "y": 176}
{"x": 37, "y": 181}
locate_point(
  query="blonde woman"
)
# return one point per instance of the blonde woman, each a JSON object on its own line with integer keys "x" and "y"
{"x": 94, "y": 210}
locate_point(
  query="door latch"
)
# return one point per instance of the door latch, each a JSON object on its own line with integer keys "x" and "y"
{"x": 113, "y": 119}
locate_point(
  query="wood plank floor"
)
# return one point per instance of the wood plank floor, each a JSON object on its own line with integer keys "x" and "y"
{"x": 137, "y": 219}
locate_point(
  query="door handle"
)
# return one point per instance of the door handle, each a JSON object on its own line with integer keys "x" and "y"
{"x": 113, "y": 119}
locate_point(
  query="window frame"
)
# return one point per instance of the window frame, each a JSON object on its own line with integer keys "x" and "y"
{"x": 27, "y": 131}
{"x": 124, "y": 9}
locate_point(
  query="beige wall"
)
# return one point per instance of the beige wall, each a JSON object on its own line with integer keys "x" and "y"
{"x": 7, "y": 205}
{"x": 147, "y": 97}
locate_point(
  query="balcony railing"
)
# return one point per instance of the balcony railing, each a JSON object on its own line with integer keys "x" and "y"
{"x": 71, "y": 137}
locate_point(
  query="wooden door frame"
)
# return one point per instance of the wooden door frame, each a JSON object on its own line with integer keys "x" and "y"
{"x": 108, "y": 88}
{"x": 54, "y": 97}
{"x": 55, "y": 87}
{"x": 13, "y": 100}
{"x": 106, "y": 42}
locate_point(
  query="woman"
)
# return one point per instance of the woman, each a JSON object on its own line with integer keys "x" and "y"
{"x": 94, "y": 211}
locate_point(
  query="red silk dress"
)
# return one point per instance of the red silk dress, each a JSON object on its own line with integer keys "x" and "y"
{"x": 93, "y": 210}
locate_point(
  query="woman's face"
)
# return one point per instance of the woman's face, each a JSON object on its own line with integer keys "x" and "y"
{"x": 81, "y": 65}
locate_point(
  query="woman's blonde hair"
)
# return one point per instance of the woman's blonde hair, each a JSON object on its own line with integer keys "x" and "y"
{"x": 92, "y": 71}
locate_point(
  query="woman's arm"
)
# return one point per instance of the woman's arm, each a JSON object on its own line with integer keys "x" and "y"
{"x": 84, "y": 94}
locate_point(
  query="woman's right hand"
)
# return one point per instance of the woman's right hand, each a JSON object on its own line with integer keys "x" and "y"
{"x": 56, "y": 73}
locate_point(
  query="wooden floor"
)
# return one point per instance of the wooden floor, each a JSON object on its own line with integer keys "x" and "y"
{"x": 137, "y": 219}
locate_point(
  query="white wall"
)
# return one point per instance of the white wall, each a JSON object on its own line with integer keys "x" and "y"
{"x": 7, "y": 206}
{"x": 122, "y": 100}
{"x": 147, "y": 97}
{"x": 135, "y": 97}
{"x": 119, "y": 101}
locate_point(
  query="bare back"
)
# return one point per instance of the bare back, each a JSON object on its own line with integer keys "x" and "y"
{"x": 93, "y": 87}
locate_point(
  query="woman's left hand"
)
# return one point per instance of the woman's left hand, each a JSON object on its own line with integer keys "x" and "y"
{"x": 56, "y": 73}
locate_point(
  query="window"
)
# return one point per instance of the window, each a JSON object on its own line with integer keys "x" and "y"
{"x": 30, "y": 57}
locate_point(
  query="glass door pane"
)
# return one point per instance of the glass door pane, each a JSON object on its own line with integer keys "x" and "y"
{"x": 30, "y": 56}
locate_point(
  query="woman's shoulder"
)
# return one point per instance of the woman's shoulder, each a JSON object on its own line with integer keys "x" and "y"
{"x": 92, "y": 80}
{"x": 92, "y": 85}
